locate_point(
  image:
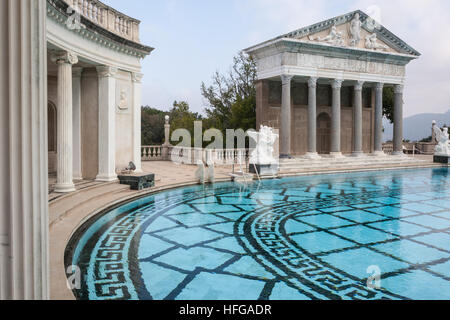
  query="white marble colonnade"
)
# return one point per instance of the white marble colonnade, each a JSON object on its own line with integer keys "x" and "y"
{"x": 336, "y": 84}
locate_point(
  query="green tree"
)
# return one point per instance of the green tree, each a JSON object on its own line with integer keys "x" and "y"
{"x": 388, "y": 103}
{"x": 152, "y": 126}
{"x": 182, "y": 118}
{"x": 232, "y": 97}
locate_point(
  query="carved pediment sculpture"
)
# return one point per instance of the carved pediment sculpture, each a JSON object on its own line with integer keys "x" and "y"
{"x": 355, "y": 31}
{"x": 335, "y": 38}
{"x": 373, "y": 44}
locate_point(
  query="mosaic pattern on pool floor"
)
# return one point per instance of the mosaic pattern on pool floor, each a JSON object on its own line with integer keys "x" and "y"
{"x": 294, "y": 238}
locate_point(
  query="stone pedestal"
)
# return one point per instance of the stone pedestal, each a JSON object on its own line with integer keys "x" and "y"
{"x": 264, "y": 169}
{"x": 441, "y": 159}
{"x": 138, "y": 181}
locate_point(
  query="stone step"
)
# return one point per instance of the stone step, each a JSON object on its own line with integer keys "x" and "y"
{"x": 60, "y": 206}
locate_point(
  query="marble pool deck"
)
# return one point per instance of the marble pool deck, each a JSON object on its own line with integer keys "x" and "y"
{"x": 69, "y": 212}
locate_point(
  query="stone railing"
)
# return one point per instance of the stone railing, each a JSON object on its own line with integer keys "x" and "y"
{"x": 152, "y": 153}
{"x": 108, "y": 18}
{"x": 192, "y": 155}
{"x": 218, "y": 156}
{"x": 388, "y": 148}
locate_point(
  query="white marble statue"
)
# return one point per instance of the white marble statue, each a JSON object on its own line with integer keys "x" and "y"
{"x": 211, "y": 171}
{"x": 200, "y": 173}
{"x": 442, "y": 138}
{"x": 265, "y": 141}
{"x": 373, "y": 44}
{"x": 335, "y": 37}
{"x": 355, "y": 31}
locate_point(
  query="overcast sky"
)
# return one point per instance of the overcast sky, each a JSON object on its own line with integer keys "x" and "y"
{"x": 194, "y": 38}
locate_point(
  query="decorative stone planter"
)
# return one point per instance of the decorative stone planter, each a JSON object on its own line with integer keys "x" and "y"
{"x": 442, "y": 159}
{"x": 138, "y": 181}
{"x": 264, "y": 169}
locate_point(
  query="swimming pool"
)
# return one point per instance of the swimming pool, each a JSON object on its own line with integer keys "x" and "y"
{"x": 315, "y": 237}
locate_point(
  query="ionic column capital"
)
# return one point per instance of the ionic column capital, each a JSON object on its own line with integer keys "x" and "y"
{"x": 359, "y": 85}
{"x": 286, "y": 79}
{"x": 398, "y": 89}
{"x": 312, "y": 82}
{"x": 336, "y": 84}
{"x": 64, "y": 57}
{"x": 137, "y": 77}
{"x": 106, "y": 71}
{"x": 76, "y": 72}
{"x": 379, "y": 86}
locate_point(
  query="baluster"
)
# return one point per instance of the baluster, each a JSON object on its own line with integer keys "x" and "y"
{"x": 90, "y": 10}
{"x": 85, "y": 7}
{"x": 116, "y": 26}
{"x": 94, "y": 13}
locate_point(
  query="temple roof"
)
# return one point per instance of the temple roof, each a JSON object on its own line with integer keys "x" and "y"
{"x": 369, "y": 26}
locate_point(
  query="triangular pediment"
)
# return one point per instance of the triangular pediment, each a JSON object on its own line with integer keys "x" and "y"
{"x": 353, "y": 30}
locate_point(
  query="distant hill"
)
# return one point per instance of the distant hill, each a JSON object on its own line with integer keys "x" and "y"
{"x": 418, "y": 126}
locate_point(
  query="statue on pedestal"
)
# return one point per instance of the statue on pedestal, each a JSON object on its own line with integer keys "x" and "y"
{"x": 442, "y": 138}
{"x": 265, "y": 141}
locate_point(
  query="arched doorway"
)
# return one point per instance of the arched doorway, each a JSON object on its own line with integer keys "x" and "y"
{"x": 52, "y": 129}
{"x": 323, "y": 133}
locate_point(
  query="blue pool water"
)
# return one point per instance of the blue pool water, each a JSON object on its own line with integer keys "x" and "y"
{"x": 317, "y": 237}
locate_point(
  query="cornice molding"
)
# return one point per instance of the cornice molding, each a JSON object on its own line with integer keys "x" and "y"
{"x": 56, "y": 10}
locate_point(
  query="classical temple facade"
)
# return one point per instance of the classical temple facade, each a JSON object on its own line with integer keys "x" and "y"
{"x": 94, "y": 91}
{"x": 322, "y": 86}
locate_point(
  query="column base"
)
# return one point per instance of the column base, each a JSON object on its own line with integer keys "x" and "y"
{"x": 312, "y": 156}
{"x": 106, "y": 178}
{"x": 398, "y": 154}
{"x": 65, "y": 188}
{"x": 378, "y": 154}
{"x": 336, "y": 155}
{"x": 358, "y": 154}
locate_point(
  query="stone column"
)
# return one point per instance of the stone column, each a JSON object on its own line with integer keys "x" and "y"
{"x": 378, "y": 131}
{"x": 64, "y": 180}
{"x": 358, "y": 120}
{"x": 166, "y": 145}
{"x": 76, "y": 92}
{"x": 312, "y": 119}
{"x": 24, "y": 268}
{"x": 286, "y": 117}
{"x": 336, "y": 119}
{"x": 106, "y": 123}
{"x": 137, "y": 106}
{"x": 398, "y": 120}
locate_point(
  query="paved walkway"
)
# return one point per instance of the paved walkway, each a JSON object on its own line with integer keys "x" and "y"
{"x": 68, "y": 212}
